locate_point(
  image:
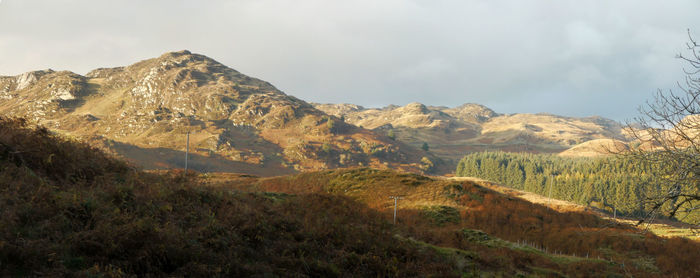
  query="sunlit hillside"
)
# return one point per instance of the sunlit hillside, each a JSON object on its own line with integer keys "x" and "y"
{"x": 69, "y": 209}
{"x": 437, "y": 211}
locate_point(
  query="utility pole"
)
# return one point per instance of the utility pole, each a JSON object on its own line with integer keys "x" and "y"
{"x": 187, "y": 151}
{"x": 396, "y": 201}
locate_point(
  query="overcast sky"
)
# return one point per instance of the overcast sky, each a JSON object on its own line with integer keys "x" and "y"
{"x": 574, "y": 58}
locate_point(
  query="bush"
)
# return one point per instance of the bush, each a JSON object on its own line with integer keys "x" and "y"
{"x": 441, "y": 215}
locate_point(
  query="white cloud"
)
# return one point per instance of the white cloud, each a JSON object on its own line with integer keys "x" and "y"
{"x": 585, "y": 77}
{"x": 517, "y": 56}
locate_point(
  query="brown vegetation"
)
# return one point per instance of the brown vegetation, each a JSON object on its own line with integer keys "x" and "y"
{"x": 68, "y": 210}
{"x": 93, "y": 215}
{"x": 576, "y": 234}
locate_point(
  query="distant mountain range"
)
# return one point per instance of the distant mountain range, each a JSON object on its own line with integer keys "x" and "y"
{"x": 242, "y": 124}
{"x": 452, "y": 132}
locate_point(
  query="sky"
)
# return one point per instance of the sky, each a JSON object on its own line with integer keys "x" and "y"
{"x": 572, "y": 58}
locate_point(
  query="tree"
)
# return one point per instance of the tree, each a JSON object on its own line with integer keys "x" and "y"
{"x": 427, "y": 165}
{"x": 425, "y": 147}
{"x": 330, "y": 124}
{"x": 669, "y": 132}
{"x": 326, "y": 148}
{"x": 391, "y": 134}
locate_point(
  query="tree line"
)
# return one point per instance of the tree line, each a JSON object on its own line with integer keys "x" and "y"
{"x": 609, "y": 183}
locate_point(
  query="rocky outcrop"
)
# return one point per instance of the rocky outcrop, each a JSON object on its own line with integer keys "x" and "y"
{"x": 471, "y": 112}
{"x": 152, "y": 104}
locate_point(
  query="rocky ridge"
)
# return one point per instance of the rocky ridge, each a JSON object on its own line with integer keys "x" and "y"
{"x": 452, "y": 132}
{"x": 242, "y": 124}
{"x": 237, "y": 123}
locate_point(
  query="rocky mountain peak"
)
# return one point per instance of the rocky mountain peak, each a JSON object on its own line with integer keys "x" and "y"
{"x": 415, "y": 108}
{"x": 28, "y": 78}
{"x": 143, "y": 110}
{"x": 178, "y": 61}
{"x": 338, "y": 110}
{"x": 22, "y": 81}
{"x": 183, "y": 52}
{"x": 185, "y": 58}
{"x": 182, "y": 83}
{"x": 472, "y": 112}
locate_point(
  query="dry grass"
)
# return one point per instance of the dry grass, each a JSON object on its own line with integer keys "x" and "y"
{"x": 596, "y": 148}
{"x": 68, "y": 210}
{"x": 558, "y": 205}
{"x": 569, "y": 230}
{"x": 663, "y": 227}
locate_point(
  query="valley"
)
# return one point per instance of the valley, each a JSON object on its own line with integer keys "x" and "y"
{"x": 278, "y": 185}
{"x": 95, "y": 215}
{"x": 305, "y": 139}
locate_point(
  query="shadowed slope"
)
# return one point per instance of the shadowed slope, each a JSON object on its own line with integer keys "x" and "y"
{"x": 69, "y": 210}
{"x": 437, "y": 211}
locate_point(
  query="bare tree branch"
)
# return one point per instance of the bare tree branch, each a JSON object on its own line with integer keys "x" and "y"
{"x": 668, "y": 136}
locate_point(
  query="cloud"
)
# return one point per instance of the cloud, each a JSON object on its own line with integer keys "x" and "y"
{"x": 567, "y": 57}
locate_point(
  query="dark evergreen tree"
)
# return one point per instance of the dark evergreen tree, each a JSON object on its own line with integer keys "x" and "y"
{"x": 607, "y": 183}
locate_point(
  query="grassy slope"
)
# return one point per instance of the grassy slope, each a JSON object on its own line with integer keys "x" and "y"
{"x": 438, "y": 212}
{"x": 661, "y": 227}
{"x": 68, "y": 209}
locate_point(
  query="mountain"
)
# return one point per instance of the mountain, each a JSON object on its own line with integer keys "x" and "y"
{"x": 236, "y": 123}
{"x": 241, "y": 124}
{"x": 453, "y": 132}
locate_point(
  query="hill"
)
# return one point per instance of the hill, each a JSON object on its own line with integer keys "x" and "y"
{"x": 237, "y": 123}
{"x": 453, "y": 132}
{"x": 70, "y": 210}
{"x": 241, "y": 124}
{"x": 596, "y": 148}
{"x": 616, "y": 184}
{"x": 524, "y": 238}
